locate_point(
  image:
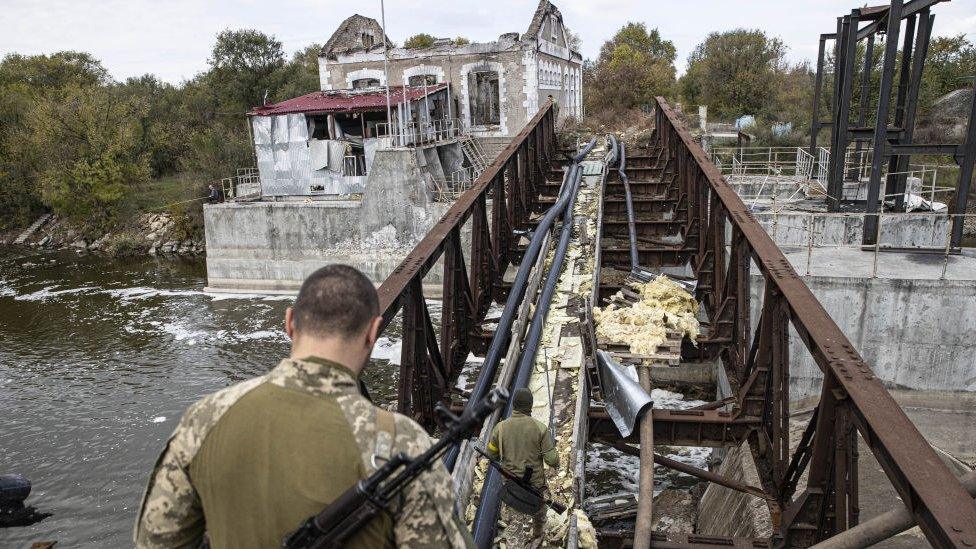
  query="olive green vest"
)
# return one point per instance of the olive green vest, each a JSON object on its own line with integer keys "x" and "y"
{"x": 276, "y": 457}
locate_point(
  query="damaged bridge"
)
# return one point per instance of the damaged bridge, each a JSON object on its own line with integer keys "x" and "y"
{"x": 560, "y": 232}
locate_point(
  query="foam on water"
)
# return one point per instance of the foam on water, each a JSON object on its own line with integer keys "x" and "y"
{"x": 387, "y": 349}
{"x": 132, "y": 293}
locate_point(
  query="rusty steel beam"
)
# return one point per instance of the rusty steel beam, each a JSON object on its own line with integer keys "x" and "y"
{"x": 944, "y": 510}
{"x": 709, "y": 428}
{"x": 429, "y": 368}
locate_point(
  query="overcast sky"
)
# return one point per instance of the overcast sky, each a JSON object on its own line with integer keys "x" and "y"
{"x": 172, "y": 38}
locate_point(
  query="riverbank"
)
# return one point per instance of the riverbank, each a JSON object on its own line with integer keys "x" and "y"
{"x": 100, "y": 356}
{"x": 147, "y": 234}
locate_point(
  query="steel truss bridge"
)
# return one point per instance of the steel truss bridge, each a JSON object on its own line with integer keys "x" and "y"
{"x": 723, "y": 243}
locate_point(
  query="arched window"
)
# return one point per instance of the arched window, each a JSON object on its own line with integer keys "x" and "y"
{"x": 422, "y": 79}
{"x": 365, "y": 83}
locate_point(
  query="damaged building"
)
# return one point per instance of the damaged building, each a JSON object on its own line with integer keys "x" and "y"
{"x": 495, "y": 86}
{"x": 364, "y": 160}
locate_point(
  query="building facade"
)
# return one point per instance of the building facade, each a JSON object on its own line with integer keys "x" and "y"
{"x": 496, "y": 86}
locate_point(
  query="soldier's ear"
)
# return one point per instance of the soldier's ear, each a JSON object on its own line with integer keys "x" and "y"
{"x": 290, "y": 323}
{"x": 373, "y": 332}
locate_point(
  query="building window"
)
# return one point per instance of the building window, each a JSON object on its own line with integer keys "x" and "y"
{"x": 365, "y": 83}
{"x": 484, "y": 98}
{"x": 367, "y": 40}
{"x": 422, "y": 80}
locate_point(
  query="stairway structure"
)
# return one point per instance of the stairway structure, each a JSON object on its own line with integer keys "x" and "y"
{"x": 475, "y": 155}
{"x": 32, "y": 229}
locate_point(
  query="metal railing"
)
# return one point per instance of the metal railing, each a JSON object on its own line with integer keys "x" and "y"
{"x": 430, "y": 365}
{"x": 412, "y": 134}
{"x": 729, "y": 241}
{"x": 246, "y": 185}
{"x": 821, "y": 234}
{"x": 454, "y": 185}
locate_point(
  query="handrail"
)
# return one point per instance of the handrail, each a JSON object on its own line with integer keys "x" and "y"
{"x": 425, "y": 253}
{"x": 429, "y": 364}
{"x": 943, "y": 509}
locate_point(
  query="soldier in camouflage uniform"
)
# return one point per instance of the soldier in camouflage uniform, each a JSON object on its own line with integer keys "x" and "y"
{"x": 248, "y": 464}
{"x": 522, "y": 442}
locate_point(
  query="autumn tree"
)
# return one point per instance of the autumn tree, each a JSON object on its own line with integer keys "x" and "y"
{"x": 735, "y": 73}
{"x": 244, "y": 65}
{"x": 633, "y": 67}
{"x": 91, "y": 138}
{"x": 419, "y": 41}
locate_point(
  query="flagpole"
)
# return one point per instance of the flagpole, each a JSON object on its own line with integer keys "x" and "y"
{"x": 386, "y": 65}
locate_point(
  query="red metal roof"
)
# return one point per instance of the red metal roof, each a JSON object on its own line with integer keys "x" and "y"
{"x": 345, "y": 100}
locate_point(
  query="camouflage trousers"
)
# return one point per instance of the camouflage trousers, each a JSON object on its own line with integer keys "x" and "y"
{"x": 510, "y": 516}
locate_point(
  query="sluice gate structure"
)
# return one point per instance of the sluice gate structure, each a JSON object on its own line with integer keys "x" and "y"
{"x": 684, "y": 218}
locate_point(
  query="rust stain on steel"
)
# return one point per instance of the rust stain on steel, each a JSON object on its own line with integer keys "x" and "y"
{"x": 426, "y": 252}
{"x": 943, "y": 508}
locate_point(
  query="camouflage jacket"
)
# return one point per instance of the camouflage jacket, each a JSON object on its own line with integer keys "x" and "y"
{"x": 219, "y": 484}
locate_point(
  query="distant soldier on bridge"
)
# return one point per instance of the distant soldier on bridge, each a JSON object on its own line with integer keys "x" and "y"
{"x": 522, "y": 444}
{"x": 248, "y": 464}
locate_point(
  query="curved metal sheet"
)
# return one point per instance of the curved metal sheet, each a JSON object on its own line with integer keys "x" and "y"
{"x": 625, "y": 398}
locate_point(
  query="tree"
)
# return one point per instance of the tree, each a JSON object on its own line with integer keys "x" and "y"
{"x": 633, "y": 67}
{"x": 419, "y": 41}
{"x": 91, "y": 140}
{"x": 244, "y": 65}
{"x": 950, "y": 61}
{"x": 735, "y": 73}
{"x": 24, "y": 80}
{"x": 461, "y": 41}
{"x": 301, "y": 74}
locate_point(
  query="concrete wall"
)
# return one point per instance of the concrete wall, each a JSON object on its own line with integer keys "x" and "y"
{"x": 914, "y": 334}
{"x": 904, "y": 230}
{"x": 273, "y": 246}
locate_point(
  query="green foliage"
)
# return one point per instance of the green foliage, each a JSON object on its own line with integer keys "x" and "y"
{"x": 950, "y": 62}
{"x": 25, "y": 80}
{"x": 419, "y": 41}
{"x": 461, "y": 41}
{"x": 123, "y": 244}
{"x": 215, "y": 153}
{"x": 92, "y": 143}
{"x": 74, "y": 141}
{"x": 633, "y": 67}
{"x": 735, "y": 73}
{"x": 187, "y": 219}
{"x": 244, "y": 65}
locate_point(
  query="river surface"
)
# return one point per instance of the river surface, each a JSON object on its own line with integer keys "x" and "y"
{"x": 98, "y": 359}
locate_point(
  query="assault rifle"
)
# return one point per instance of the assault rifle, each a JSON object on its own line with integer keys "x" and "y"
{"x": 523, "y": 482}
{"x": 369, "y": 497}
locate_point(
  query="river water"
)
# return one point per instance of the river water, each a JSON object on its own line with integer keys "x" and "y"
{"x": 98, "y": 359}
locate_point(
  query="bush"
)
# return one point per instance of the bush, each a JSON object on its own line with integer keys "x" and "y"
{"x": 123, "y": 244}
{"x": 419, "y": 41}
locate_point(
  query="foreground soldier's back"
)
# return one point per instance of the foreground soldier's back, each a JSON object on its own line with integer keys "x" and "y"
{"x": 248, "y": 464}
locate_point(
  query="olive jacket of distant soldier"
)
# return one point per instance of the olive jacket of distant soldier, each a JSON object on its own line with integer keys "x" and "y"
{"x": 249, "y": 463}
{"x": 521, "y": 441}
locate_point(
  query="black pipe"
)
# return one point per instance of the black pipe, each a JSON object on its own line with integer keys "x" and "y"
{"x": 487, "y": 514}
{"x": 631, "y": 228}
{"x": 500, "y": 341}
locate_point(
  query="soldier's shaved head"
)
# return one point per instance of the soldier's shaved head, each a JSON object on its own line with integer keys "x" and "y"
{"x": 336, "y": 300}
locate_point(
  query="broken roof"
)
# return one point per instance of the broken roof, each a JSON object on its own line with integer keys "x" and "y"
{"x": 545, "y": 8}
{"x": 344, "y": 33}
{"x": 336, "y": 101}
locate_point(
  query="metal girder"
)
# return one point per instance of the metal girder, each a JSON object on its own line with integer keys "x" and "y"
{"x": 944, "y": 510}
{"x": 428, "y": 368}
{"x": 707, "y": 428}
{"x": 908, "y": 9}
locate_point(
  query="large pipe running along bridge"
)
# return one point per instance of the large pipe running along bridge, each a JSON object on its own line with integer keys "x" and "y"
{"x": 522, "y": 194}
